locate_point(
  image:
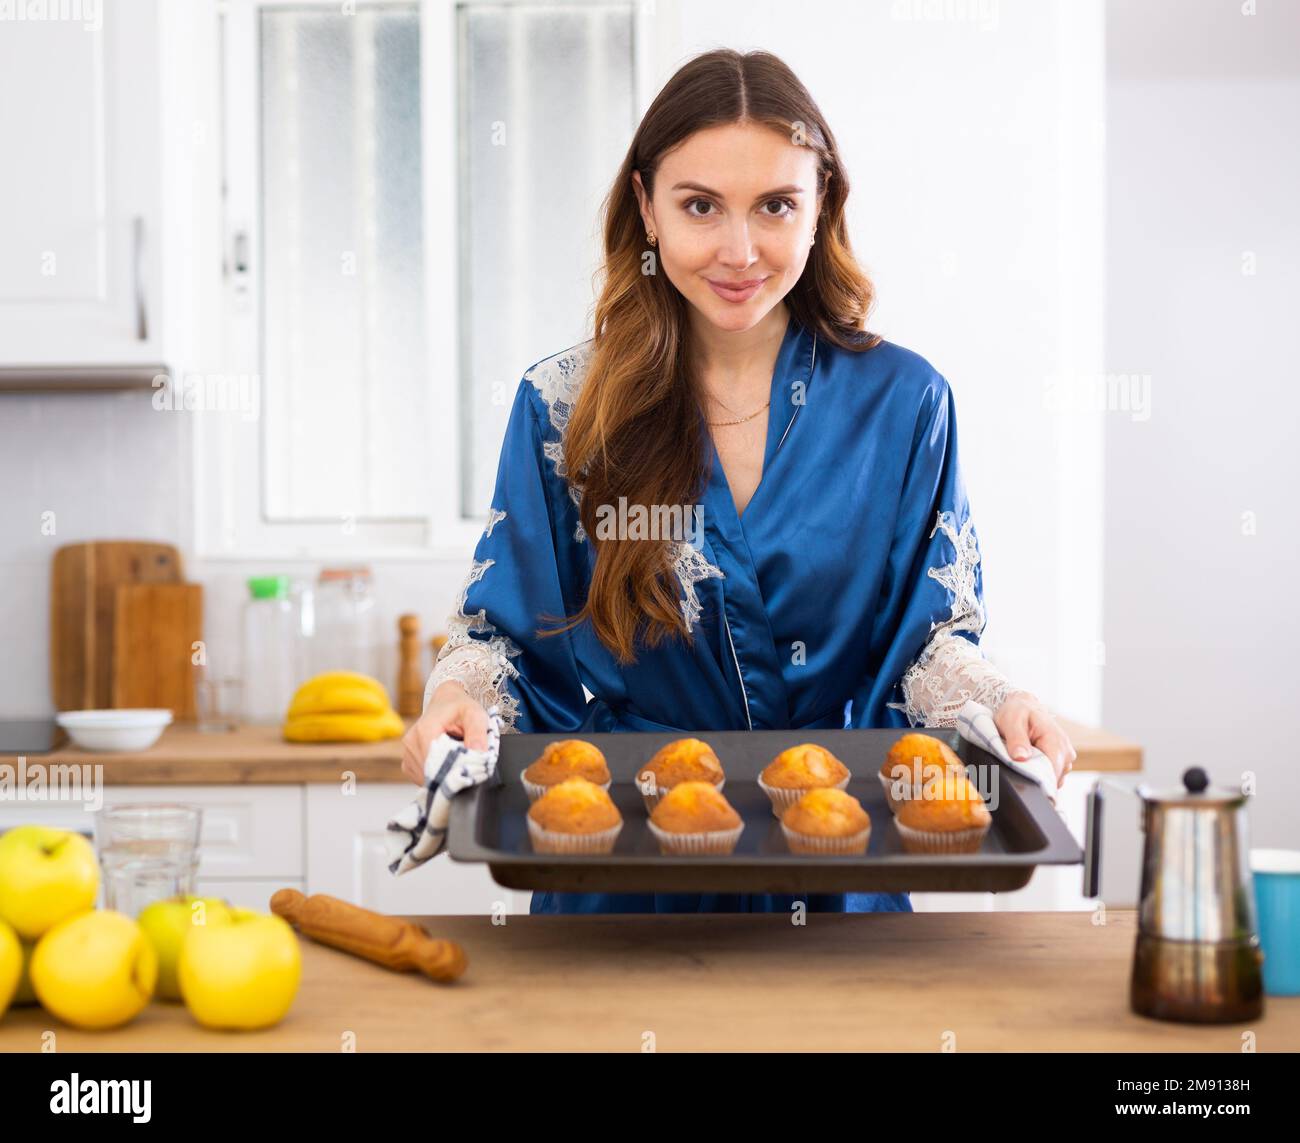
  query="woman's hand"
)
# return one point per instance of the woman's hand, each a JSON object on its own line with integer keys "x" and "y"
{"x": 1023, "y": 721}
{"x": 451, "y": 709}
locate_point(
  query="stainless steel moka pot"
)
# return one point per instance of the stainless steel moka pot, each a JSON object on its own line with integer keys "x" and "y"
{"x": 1198, "y": 956}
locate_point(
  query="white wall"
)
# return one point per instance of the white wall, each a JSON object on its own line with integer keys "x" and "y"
{"x": 1201, "y": 540}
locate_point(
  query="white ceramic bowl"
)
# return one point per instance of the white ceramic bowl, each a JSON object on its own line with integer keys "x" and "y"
{"x": 114, "y": 731}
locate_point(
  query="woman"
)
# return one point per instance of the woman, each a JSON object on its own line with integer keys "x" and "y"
{"x": 733, "y": 508}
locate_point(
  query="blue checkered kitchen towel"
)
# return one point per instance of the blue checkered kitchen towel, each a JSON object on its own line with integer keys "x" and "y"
{"x": 419, "y": 831}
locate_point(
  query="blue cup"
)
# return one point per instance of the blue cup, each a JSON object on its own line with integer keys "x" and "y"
{"x": 1277, "y": 898}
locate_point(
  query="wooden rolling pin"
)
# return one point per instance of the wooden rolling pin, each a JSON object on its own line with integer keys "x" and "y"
{"x": 395, "y": 944}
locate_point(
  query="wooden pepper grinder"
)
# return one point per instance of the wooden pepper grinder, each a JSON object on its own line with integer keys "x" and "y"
{"x": 410, "y": 682}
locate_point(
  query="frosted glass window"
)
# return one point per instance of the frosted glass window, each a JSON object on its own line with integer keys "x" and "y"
{"x": 344, "y": 387}
{"x": 547, "y": 112}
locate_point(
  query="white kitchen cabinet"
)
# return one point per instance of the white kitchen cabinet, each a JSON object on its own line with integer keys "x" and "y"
{"x": 247, "y": 831}
{"x": 81, "y": 200}
{"x": 346, "y": 858}
{"x": 59, "y": 815}
{"x": 249, "y": 892}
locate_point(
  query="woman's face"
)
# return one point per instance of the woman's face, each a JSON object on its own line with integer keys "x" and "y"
{"x": 733, "y": 205}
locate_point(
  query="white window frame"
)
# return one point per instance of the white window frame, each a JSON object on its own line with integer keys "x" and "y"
{"x": 229, "y": 523}
{"x": 227, "y": 488}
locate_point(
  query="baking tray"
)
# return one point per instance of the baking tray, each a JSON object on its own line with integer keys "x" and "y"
{"x": 487, "y": 825}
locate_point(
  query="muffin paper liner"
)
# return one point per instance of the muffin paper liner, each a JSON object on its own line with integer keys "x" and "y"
{"x": 690, "y": 844}
{"x": 941, "y": 841}
{"x": 782, "y": 800}
{"x": 826, "y": 846}
{"x": 555, "y": 841}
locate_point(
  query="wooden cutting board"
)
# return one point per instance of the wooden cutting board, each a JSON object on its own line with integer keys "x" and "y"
{"x": 84, "y": 579}
{"x": 155, "y": 628}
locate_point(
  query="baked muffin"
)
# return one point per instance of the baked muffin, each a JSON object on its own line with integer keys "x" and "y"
{"x": 948, "y": 816}
{"x": 826, "y": 821}
{"x": 684, "y": 760}
{"x": 693, "y": 818}
{"x": 794, "y": 772}
{"x": 567, "y": 758}
{"x": 911, "y": 761}
{"x": 574, "y": 816}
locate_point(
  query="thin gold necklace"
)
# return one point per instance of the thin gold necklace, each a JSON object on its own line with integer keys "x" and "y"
{"x": 716, "y": 424}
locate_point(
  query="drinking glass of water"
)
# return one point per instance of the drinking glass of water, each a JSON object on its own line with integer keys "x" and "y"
{"x": 147, "y": 852}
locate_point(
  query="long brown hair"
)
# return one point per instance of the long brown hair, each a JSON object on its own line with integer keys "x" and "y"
{"x": 635, "y": 430}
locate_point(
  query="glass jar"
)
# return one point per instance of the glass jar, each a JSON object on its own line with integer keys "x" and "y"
{"x": 346, "y": 628}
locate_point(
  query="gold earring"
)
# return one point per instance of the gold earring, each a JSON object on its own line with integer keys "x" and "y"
{"x": 651, "y": 238}
{"x": 812, "y": 241}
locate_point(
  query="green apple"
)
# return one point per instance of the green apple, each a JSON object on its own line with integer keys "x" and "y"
{"x": 45, "y": 875}
{"x": 241, "y": 975}
{"x": 94, "y": 970}
{"x": 165, "y": 923}
{"x": 11, "y": 965}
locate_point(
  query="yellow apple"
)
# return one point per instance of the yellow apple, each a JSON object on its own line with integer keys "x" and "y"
{"x": 94, "y": 970}
{"x": 11, "y": 965}
{"x": 165, "y": 923}
{"x": 242, "y": 975}
{"x": 45, "y": 875}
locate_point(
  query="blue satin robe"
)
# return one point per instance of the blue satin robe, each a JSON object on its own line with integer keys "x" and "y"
{"x": 806, "y": 612}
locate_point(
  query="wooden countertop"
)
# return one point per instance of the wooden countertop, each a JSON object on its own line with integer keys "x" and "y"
{"x": 737, "y": 982}
{"x": 250, "y": 754}
{"x": 257, "y": 754}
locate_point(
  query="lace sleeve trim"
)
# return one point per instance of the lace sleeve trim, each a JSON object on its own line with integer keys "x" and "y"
{"x": 481, "y": 665}
{"x": 951, "y": 669}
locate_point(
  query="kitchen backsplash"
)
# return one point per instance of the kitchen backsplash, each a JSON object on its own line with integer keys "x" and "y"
{"x": 79, "y": 467}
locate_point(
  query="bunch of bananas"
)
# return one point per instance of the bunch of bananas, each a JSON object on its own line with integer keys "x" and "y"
{"x": 342, "y": 706}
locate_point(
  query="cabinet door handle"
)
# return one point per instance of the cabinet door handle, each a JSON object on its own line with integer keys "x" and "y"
{"x": 239, "y": 253}
{"x": 137, "y": 274}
